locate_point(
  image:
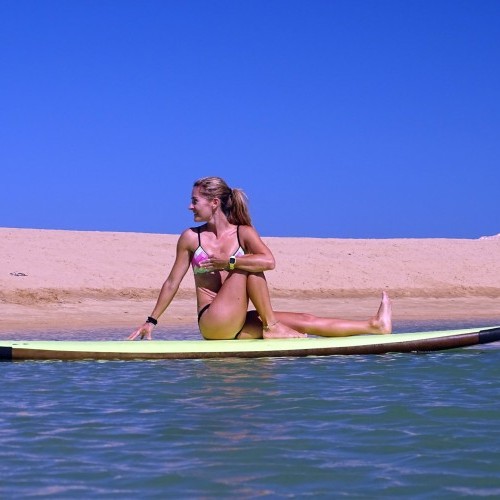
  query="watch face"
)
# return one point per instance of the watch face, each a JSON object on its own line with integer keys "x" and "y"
{"x": 232, "y": 260}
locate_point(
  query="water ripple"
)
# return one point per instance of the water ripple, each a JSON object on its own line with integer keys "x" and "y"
{"x": 397, "y": 425}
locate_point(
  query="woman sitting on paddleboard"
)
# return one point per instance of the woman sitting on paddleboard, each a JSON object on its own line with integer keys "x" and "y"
{"x": 228, "y": 259}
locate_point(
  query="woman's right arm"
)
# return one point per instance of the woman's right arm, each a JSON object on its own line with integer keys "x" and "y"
{"x": 170, "y": 286}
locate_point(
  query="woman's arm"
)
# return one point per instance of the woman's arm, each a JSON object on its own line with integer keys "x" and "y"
{"x": 170, "y": 286}
{"x": 258, "y": 257}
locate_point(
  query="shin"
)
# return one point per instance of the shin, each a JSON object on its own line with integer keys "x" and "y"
{"x": 258, "y": 293}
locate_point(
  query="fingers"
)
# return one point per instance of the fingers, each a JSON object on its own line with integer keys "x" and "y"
{"x": 144, "y": 332}
{"x": 213, "y": 263}
{"x": 134, "y": 334}
{"x": 207, "y": 263}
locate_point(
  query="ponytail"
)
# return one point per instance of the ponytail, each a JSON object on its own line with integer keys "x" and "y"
{"x": 237, "y": 208}
{"x": 234, "y": 202}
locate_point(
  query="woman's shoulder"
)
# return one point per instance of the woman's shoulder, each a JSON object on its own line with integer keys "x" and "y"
{"x": 189, "y": 237}
{"x": 247, "y": 232}
{"x": 193, "y": 231}
{"x": 251, "y": 240}
{"x": 246, "y": 229}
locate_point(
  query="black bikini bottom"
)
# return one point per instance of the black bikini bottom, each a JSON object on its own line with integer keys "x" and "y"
{"x": 202, "y": 310}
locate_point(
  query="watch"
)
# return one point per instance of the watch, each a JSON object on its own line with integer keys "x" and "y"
{"x": 232, "y": 262}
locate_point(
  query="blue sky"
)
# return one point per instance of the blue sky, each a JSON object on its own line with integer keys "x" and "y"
{"x": 344, "y": 119}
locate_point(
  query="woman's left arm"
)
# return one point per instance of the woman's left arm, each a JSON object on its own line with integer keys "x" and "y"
{"x": 258, "y": 257}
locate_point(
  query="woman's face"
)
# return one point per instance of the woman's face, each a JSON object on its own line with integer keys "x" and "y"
{"x": 202, "y": 208}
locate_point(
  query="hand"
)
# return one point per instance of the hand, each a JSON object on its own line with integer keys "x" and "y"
{"x": 143, "y": 331}
{"x": 213, "y": 263}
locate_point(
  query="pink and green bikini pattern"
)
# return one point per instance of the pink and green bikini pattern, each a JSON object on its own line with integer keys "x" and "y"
{"x": 200, "y": 255}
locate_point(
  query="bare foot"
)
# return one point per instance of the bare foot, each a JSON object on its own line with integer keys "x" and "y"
{"x": 280, "y": 331}
{"x": 382, "y": 322}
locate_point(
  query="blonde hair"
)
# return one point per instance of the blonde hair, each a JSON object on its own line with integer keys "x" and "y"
{"x": 234, "y": 202}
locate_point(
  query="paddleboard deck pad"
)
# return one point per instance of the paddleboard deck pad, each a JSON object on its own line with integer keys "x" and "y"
{"x": 205, "y": 349}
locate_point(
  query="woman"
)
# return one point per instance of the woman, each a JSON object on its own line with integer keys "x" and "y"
{"x": 228, "y": 259}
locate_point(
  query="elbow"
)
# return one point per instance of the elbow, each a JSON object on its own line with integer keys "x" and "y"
{"x": 271, "y": 264}
{"x": 170, "y": 287}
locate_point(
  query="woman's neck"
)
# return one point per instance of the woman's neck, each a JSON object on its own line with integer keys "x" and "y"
{"x": 219, "y": 224}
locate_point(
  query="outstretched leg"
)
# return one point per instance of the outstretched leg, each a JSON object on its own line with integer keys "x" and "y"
{"x": 381, "y": 323}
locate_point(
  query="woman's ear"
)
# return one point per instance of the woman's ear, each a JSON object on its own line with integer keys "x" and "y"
{"x": 215, "y": 204}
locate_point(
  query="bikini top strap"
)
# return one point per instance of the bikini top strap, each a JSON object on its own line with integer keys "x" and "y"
{"x": 238, "y": 235}
{"x": 199, "y": 239}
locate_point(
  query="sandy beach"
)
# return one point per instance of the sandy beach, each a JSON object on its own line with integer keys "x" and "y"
{"x": 74, "y": 279}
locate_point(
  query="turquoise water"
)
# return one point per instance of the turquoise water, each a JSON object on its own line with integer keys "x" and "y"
{"x": 396, "y": 425}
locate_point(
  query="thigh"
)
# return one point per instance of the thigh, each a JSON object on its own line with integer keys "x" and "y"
{"x": 227, "y": 312}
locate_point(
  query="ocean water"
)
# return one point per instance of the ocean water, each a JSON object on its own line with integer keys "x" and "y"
{"x": 380, "y": 426}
